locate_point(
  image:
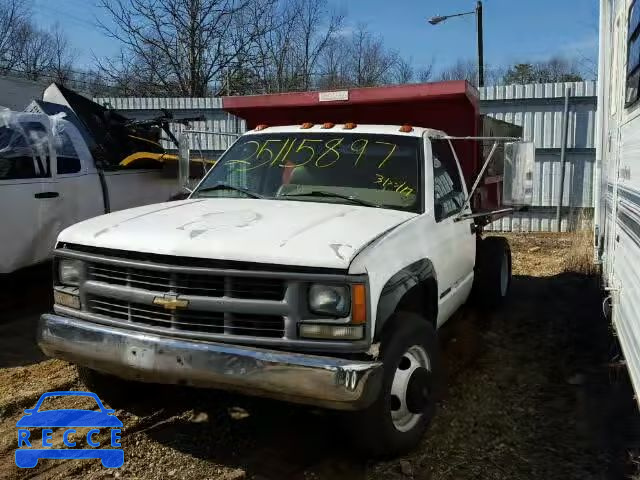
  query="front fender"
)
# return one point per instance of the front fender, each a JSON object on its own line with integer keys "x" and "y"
{"x": 396, "y": 263}
{"x": 398, "y": 286}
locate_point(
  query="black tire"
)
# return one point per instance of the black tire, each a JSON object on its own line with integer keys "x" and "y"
{"x": 492, "y": 256}
{"x": 116, "y": 392}
{"x": 373, "y": 430}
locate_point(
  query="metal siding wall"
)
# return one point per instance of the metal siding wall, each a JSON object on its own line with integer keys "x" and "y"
{"x": 538, "y": 109}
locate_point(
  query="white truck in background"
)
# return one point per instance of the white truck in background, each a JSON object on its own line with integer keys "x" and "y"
{"x": 69, "y": 159}
{"x": 313, "y": 264}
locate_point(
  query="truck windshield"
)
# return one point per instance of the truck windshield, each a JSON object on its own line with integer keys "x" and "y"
{"x": 366, "y": 169}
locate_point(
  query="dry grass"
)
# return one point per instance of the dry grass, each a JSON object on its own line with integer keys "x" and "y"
{"x": 543, "y": 254}
{"x": 539, "y": 254}
{"x": 580, "y": 258}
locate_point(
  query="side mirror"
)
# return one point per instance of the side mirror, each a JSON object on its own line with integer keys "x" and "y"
{"x": 183, "y": 162}
{"x": 519, "y": 162}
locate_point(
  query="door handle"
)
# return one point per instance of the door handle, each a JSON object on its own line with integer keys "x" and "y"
{"x": 473, "y": 228}
{"x": 47, "y": 195}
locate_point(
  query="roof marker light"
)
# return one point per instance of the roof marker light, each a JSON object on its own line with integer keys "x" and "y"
{"x": 326, "y": 125}
{"x": 406, "y": 128}
{"x": 306, "y": 125}
{"x": 350, "y": 126}
{"x": 262, "y": 126}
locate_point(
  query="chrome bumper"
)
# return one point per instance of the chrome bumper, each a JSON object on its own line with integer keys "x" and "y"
{"x": 308, "y": 379}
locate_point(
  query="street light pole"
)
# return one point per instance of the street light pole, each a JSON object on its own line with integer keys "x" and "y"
{"x": 478, "y": 13}
{"x": 480, "y": 45}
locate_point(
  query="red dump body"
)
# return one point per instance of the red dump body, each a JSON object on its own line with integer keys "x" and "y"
{"x": 448, "y": 106}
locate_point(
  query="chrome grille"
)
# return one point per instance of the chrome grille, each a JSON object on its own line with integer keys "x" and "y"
{"x": 192, "y": 284}
{"x": 188, "y": 320}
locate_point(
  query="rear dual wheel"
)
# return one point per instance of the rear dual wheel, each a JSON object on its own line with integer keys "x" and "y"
{"x": 492, "y": 273}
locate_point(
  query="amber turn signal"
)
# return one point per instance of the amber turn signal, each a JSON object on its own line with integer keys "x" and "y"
{"x": 358, "y": 304}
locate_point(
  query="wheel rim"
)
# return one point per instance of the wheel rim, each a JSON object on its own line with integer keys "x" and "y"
{"x": 414, "y": 359}
{"x": 504, "y": 275}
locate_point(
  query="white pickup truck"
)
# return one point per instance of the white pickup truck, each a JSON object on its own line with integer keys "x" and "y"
{"x": 313, "y": 264}
{"x": 50, "y": 177}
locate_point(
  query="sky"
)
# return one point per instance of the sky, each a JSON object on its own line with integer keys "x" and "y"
{"x": 514, "y": 30}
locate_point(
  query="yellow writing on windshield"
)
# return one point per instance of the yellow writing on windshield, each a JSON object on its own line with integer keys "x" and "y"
{"x": 391, "y": 184}
{"x": 299, "y": 152}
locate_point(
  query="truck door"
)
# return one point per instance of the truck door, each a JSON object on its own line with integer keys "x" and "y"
{"x": 24, "y": 175}
{"x": 456, "y": 242}
{"x": 76, "y": 182}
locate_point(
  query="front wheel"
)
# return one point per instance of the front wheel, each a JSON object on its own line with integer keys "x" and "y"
{"x": 399, "y": 417}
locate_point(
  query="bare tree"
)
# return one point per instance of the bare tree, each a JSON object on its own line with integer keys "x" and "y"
{"x": 468, "y": 70}
{"x": 425, "y": 73}
{"x": 31, "y": 51}
{"x": 461, "y": 70}
{"x": 369, "y": 61}
{"x": 289, "y": 53}
{"x": 361, "y": 60}
{"x": 559, "y": 69}
{"x": 63, "y": 56}
{"x": 272, "y": 56}
{"x": 185, "y": 45}
{"x": 333, "y": 72}
{"x": 403, "y": 71}
{"x": 14, "y": 15}
{"x": 35, "y": 51}
{"x": 318, "y": 26}
{"x": 556, "y": 69}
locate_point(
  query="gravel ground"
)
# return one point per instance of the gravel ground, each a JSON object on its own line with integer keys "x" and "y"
{"x": 532, "y": 393}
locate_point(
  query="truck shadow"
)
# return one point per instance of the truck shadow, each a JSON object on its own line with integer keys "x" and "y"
{"x": 550, "y": 335}
{"x": 272, "y": 440}
{"x": 24, "y": 295}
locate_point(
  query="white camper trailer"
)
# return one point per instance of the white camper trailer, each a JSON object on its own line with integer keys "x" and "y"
{"x": 617, "y": 181}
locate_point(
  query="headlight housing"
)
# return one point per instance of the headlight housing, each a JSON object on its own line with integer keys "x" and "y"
{"x": 331, "y": 300}
{"x": 69, "y": 272}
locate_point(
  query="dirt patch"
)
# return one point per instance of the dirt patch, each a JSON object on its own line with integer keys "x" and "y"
{"x": 530, "y": 395}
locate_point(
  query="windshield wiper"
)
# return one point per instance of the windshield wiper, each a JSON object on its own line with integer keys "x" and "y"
{"x": 227, "y": 186}
{"x": 322, "y": 193}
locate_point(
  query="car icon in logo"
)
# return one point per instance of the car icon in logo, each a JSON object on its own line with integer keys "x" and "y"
{"x": 68, "y": 419}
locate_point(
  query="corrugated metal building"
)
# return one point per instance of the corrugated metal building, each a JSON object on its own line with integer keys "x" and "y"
{"x": 537, "y": 108}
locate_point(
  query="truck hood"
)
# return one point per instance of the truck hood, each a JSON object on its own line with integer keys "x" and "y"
{"x": 252, "y": 230}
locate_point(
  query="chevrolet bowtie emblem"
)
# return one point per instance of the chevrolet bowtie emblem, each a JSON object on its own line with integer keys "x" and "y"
{"x": 170, "y": 302}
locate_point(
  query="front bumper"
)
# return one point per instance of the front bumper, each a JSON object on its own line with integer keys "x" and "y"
{"x": 327, "y": 382}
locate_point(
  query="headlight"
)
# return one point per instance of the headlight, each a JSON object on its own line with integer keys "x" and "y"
{"x": 69, "y": 272}
{"x": 331, "y": 300}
